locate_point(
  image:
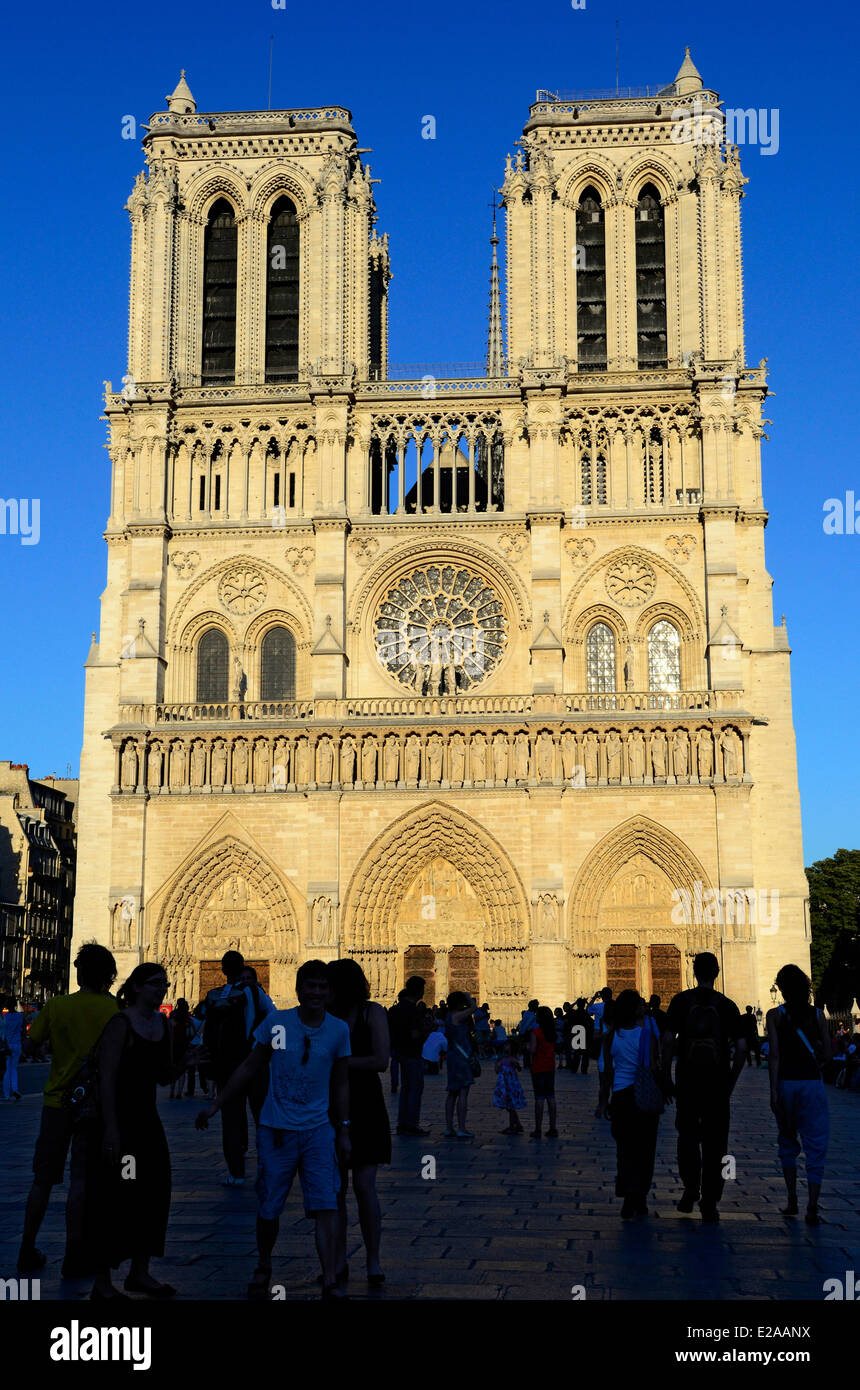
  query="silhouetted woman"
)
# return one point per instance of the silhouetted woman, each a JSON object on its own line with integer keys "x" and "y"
{"x": 541, "y": 1047}
{"x": 134, "y": 1058}
{"x": 369, "y": 1129}
{"x": 461, "y": 1007}
{"x": 799, "y": 1046}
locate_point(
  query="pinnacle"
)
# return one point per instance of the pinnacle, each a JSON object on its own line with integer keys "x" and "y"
{"x": 180, "y": 99}
{"x": 689, "y": 79}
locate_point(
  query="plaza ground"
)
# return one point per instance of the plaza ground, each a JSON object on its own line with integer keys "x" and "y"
{"x": 503, "y": 1218}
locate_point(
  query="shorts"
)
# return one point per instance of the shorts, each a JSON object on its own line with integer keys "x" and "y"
{"x": 311, "y": 1153}
{"x": 544, "y": 1084}
{"x": 52, "y": 1146}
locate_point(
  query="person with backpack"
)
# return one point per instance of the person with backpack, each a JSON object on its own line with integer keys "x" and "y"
{"x": 232, "y": 1013}
{"x": 71, "y": 1024}
{"x": 701, "y": 1026}
{"x": 799, "y": 1046}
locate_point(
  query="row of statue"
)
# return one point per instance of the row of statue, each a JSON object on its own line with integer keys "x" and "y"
{"x": 370, "y": 760}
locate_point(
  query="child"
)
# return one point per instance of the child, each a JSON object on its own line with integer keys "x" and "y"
{"x": 508, "y": 1094}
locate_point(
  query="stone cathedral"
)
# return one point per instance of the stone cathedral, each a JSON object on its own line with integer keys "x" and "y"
{"x": 476, "y": 678}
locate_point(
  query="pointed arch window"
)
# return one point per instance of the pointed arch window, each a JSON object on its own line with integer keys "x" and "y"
{"x": 650, "y": 279}
{"x": 664, "y": 657}
{"x": 593, "y": 455}
{"x": 590, "y": 283}
{"x": 655, "y": 466}
{"x": 219, "y": 295}
{"x": 600, "y": 658}
{"x": 282, "y": 293}
{"x": 213, "y": 666}
{"x": 278, "y": 665}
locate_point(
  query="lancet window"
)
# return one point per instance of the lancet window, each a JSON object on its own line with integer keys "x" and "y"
{"x": 590, "y": 283}
{"x": 650, "y": 279}
{"x": 219, "y": 295}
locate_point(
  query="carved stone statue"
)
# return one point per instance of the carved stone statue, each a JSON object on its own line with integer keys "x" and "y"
{"x": 237, "y": 691}
{"x": 153, "y": 766}
{"x": 705, "y": 751}
{"x": 413, "y": 758}
{"x": 636, "y": 756}
{"x": 478, "y": 758}
{"x": 545, "y": 757}
{"x": 177, "y": 764}
{"x": 391, "y": 759}
{"x": 323, "y": 922}
{"x": 124, "y": 913}
{"x": 729, "y": 745}
{"x": 280, "y": 765}
{"x": 549, "y": 917}
{"x": 435, "y": 750}
{"x": 240, "y": 763}
{"x": 613, "y": 756}
{"x": 347, "y": 762}
{"x": 457, "y": 759}
{"x": 589, "y": 756}
{"x": 219, "y": 763}
{"x": 303, "y": 762}
{"x": 659, "y": 750}
{"x": 434, "y": 679}
{"x": 325, "y": 762}
{"x": 261, "y": 763}
{"x": 198, "y": 763}
{"x": 568, "y": 756}
{"x": 680, "y": 752}
{"x": 128, "y": 772}
{"x": 368, "y": 762}
{"x": 500, "y": 758}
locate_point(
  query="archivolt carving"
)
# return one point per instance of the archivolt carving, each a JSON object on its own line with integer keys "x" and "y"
{"x": 276, "y": 178}
{"x": 663, "y": 172}
{"x": 210, "y": 185}
{"x": 275, "y": 576}
{"x": 391, "y": 862}
{"x": 186, "y": 932}
{"x": 599, "y": 176}
{"x": 637, "y": 836}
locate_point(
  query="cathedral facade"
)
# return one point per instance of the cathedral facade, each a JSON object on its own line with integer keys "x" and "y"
{"x": 474, "y": 678}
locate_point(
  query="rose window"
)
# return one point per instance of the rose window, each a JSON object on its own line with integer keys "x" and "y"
{"x": 630, "y": 581}
{"x": 243, "y": 589}
{"x": 440, "y": 630}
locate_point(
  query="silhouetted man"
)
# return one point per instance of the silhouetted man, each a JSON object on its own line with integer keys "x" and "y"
{"x": 407, "y": 1040}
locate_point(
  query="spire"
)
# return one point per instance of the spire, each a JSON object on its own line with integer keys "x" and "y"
{"x": 689, "y": 79}
{"x": 181, "y": 99}
{"x": 495, "y": 353}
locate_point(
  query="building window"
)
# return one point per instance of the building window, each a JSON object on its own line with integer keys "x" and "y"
{"x": 219, "y": 296}
{"x": 590, "y": 283}
{"x": 278, "y": 665}
{"x": 282, "y": 294}
{"x": 600, "y": 658}
{"x": 594, "y": 450}
{"x": 655, "y": 472}
{"x": 213, "y": 661}
{"x": 650, "y": 279}
{"x": 664, "y": 658}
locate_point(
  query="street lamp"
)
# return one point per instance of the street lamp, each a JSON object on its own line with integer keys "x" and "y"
{"x": 773, "y": 994}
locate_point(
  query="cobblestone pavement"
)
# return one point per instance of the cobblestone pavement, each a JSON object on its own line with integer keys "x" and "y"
{"x": 504, "y": 1218}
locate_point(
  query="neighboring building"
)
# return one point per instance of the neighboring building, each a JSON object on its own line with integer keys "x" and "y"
{"x": 475, "y": 676}
{"x": 38, "y": 849}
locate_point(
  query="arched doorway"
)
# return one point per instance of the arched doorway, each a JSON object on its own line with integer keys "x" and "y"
{"x": 436, "y": 881}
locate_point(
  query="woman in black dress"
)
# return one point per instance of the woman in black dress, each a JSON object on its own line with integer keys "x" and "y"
{"x": 369, "y": 1129}
{"x": 135, "y": 1058}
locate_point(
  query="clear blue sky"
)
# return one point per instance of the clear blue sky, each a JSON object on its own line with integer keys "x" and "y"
{"x": 73, "y": 73}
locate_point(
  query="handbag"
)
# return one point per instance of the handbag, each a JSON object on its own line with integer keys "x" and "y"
{"x": 472, "y": 1059}
{"x": 82, "y": 1097}
{"x": 646, "y": 1091}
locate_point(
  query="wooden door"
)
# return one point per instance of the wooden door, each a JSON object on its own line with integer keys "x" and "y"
{"x": 463, "y": 970}
{"x": 212, "y": 978}
{"x": 622, "y": 968}
{"x": 665, "y": 963}
{"x": 421, "y": 960}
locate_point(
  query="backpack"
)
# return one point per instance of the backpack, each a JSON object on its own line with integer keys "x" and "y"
{"x": 702, "y": 1041}
{"x": 224, "y": 1035}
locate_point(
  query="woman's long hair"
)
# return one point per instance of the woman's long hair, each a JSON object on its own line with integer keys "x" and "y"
{"x": 546, "y": 1023}
{"x": 348, "y": 985}
{"x": 127, "y": 993}
{"x": 795, "y": 988}
{"x": 626, "y": 1008}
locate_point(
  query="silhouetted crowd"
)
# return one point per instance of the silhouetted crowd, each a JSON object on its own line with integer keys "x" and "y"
{"x": 311, "y": 1077}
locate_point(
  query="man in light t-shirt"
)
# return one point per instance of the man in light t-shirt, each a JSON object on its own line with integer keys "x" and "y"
{"x": 434, "y": 1050}
{"x": 306, "y": 1049}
